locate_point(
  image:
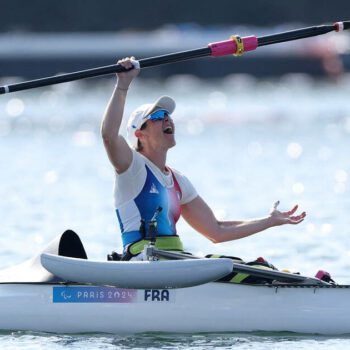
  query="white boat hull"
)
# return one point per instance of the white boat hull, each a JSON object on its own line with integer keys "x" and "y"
{"x": 212, "y": 307}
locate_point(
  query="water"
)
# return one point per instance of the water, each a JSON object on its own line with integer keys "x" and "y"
{"x": 28, "y": 341}
{"x": 243, "y": 143}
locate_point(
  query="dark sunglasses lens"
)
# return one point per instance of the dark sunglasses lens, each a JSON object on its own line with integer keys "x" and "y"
{"x": 158, "y": 115}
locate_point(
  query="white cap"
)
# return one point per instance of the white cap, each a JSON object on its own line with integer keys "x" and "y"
{"x": 140, "y": 115}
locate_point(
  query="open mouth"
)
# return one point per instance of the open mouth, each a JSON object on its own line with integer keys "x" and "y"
{"x": 168, "y": 130}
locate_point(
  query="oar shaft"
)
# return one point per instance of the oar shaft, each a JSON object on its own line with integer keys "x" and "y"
{"x": 100, "y": 71}
{"x": 302, "y": 33}
{"x": 174, "y": 57}
{"x": 294, "y": 34}
{"x": 62, "y": 78}
{"x": 232, "y": 46}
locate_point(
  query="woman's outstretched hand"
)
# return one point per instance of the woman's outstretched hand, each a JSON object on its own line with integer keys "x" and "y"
{"x": 286, "y": 217}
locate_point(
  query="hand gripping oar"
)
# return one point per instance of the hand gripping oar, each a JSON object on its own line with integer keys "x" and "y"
{"x": 235, "y": 45}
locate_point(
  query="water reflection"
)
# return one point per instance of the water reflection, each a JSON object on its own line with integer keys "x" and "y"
{"x": 15, "y": 107}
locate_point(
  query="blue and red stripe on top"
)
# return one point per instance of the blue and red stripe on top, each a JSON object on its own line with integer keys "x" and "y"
{"x": 152, "y": 196}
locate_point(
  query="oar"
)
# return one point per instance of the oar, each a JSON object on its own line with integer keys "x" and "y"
{"x": 284, "y": 277}
{"x": 235, "y": 45}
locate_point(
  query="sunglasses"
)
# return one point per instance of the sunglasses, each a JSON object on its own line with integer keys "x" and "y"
{"x": 158, "y": 115}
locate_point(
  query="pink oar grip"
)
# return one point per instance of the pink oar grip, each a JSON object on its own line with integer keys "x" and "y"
{"x": 228, "y": 47}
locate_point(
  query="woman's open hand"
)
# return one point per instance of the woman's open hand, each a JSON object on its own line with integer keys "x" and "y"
{"x": 286, "y": 217}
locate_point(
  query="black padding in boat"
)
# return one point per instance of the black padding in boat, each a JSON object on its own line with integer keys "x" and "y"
{"x": 70, "y": 245}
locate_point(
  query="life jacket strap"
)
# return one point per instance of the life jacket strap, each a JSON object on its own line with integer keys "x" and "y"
{"x": 162, "y": 243}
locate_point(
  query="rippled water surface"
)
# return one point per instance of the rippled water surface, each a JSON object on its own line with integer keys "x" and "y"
{"x": 243, "y": 143}
{"x": 28, "y": 340}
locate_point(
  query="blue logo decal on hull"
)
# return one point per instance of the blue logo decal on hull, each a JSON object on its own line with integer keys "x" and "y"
{"x": 93, "y": 294}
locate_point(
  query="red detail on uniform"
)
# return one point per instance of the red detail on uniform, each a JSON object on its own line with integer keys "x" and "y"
{"x": 176, "y": 196}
